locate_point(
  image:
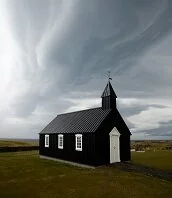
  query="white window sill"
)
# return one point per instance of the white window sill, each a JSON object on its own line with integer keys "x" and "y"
{"x": 78, "y": 149}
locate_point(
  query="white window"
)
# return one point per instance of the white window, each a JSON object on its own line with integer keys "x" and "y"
{"x": 78, "y": 142}
{"x": 60, "y": 141}
{"x": 46, "y": 140}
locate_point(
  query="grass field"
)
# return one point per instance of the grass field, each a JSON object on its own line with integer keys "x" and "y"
{"x": 158, "y": 159}
{"x": 151, "y": 145}
{"x": 13, "y": 143}
{"x": 24, "y": 174}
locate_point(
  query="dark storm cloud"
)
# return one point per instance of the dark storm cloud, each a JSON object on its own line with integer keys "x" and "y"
{"x": 105, "y": 34}
{"x": 136, "y": 109}
{"x": 67, "y": 46}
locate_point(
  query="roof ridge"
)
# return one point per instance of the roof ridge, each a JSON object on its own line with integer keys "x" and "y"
{"x": 79, "y": 111}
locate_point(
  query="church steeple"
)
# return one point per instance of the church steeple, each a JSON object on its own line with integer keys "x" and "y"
{"x": 108, "y": 97}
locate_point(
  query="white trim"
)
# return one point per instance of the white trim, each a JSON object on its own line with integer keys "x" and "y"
{"x": 46, "y": 140}
{"x": 114, "y": 134}
{"x": 59, "y": 137}
{"x": 76, "y": 142}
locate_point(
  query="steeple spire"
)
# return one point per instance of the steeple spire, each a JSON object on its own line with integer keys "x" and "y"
{"x": 108, "y": 96}
{"x": 108, "y": 91}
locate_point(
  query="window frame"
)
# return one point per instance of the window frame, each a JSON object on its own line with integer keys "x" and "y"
{"x": 76, "y": 142}
{"x": 59, "y": 137}
{"x": 46, "y": 141}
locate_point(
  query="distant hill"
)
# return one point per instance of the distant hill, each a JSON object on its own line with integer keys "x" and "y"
{"x": 11, "y": 142}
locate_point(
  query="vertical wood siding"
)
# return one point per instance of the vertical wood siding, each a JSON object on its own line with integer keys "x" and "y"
{"x": 86, "y": 156}
{"x": 125, "y": 153}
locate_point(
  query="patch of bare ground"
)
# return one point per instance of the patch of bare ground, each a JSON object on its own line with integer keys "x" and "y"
{"x": 129, "y": 167}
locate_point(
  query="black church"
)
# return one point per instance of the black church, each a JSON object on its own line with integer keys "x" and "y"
{"x": 91, "y": 137}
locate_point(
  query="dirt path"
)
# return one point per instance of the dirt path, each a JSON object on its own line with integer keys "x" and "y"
{"x": 162, "y": 174}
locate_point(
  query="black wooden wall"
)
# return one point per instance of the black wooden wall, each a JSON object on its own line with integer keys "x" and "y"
{"x": 86, "y": 156}
{"x": 125, "y": 153}
{"x": 102, "y": 143}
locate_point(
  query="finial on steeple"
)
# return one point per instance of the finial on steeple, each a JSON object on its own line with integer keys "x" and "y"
{"x": 109, "y": 78}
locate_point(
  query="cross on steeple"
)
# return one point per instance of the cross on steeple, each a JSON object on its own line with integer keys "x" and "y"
{"x": 109, "y": 78}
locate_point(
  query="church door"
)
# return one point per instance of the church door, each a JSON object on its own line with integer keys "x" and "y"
{"x": 114, "y": 146}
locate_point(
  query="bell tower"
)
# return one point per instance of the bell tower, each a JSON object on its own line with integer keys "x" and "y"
{"x": 108, "y": 97}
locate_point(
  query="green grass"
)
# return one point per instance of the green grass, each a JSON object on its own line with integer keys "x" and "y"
{"x": 24, "y": 174}
{"x": 10, "y": 143}
{"x": 158, "y": 159}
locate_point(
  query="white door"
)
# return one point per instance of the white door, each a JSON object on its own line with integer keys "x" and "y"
{"x": 114, "y": 148}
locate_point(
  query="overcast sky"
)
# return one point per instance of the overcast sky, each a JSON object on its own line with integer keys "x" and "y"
{"x": 55, "y": 54}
